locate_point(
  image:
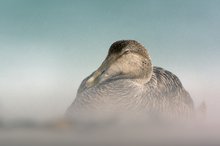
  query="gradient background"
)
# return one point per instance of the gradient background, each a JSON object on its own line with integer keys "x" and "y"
{"x": 48, "y": 46}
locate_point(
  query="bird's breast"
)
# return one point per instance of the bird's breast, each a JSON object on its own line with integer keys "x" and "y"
{"x": 113, "y": 95}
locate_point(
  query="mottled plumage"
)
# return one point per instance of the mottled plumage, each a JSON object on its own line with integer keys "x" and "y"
{"x": 127, "y": 82}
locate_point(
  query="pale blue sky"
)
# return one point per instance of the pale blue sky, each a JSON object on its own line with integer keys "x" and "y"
{"x": 48, "y": 46}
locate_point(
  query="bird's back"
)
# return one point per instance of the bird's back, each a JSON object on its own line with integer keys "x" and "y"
{"x": 165, "y": 93}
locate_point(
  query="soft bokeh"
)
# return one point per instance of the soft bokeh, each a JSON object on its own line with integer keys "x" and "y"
{"x": 48, "y": 46}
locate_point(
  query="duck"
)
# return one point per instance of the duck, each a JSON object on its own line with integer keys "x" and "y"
{"x": 127, "y": 81}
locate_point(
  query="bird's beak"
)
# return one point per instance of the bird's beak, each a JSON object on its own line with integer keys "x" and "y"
{"x": 99, "y": 75}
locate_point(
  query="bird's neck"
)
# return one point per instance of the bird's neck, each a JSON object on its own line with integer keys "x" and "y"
{"x": 135, "y": 68}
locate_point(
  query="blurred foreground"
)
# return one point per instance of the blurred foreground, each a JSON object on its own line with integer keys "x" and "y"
{"x": 107, "y": 132}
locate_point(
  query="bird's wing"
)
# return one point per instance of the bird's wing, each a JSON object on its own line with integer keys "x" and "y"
{"x": 165, "y": 92}
{"x": 169, "y": 84}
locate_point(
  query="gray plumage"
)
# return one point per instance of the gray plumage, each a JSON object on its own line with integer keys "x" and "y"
{"x": 127, "y": 81}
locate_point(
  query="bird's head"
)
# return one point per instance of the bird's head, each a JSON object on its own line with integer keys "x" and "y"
{"x": 125, "y": 59}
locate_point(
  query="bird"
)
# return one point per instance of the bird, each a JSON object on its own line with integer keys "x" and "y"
{"x": 127, "y": 81}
